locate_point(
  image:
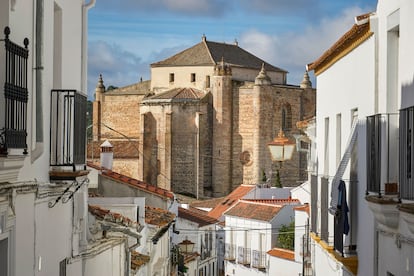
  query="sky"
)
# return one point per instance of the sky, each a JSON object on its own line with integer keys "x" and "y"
{"x": 126, "y": 36}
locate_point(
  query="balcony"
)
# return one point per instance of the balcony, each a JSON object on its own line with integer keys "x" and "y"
{"x": 229, "y": 253}
{"x": 382, "y": 153}
{"x": 243, "y": 255}
{"x": 67, "y": 134}
{"x": 13, "y": 106}
{"x": 382, "y": 170}
{"x": 259, "y": 260}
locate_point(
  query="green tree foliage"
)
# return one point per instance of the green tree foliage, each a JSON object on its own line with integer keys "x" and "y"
{"x": 286, "y": 238}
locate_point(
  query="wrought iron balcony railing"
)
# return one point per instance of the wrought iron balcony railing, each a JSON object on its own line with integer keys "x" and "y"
{"x": 259, "y": 259}
{"x": 67, "y": 128}
{"x": 230, "y": 252}
{"x": 382, "y": 154}
{"x": 243, "y": 255}
{"x": 13, "y": 133}
{"x": 406, "y": 158}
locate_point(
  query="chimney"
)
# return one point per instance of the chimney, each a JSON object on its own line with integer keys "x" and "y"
{"x": 107, "y": 155}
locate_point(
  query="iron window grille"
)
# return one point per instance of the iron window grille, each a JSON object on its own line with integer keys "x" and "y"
{"x": 14, "y": 132}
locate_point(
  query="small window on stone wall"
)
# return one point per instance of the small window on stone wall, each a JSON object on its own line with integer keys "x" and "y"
{"x": 207, "y": 81}
{"x": 171, "y": 77}
{"x": 193, "y": 77}
{"x": 286, "y": 117}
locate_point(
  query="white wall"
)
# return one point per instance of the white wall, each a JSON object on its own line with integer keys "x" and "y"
{"x": 352, "y": 85}
{"x": 283, "y": 267}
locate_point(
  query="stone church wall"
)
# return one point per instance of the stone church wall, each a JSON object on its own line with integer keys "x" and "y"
{"x": 120, "y": 113}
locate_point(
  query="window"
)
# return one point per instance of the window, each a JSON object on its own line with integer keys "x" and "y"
{"x": 326, "y": 148}
{"x": 207, "y": 81}
{"x": 193, "y": 77}
{"x": 4, "y": 256}
{"x": 171, "y": 77}
{"x": 286, "y": 117}
{"x": 62, "y": 268}
{"x": 406, "y": 153}
{"x": 338, "y": 138}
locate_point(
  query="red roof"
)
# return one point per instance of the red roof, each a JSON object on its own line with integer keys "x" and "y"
{"x": 201, "y": 220}
{"x": 107, "y": 215}
{"x": 138, "y": 184}
{"x": 350, "y": 40}
{"x": 276, "y": 201}
{"x": 249, "y": 210}
{"x": 230, "y": 200}
{"x": 158, "y": 216}
{"x": 282, "y": 253}
{"x": 304, "y": 208}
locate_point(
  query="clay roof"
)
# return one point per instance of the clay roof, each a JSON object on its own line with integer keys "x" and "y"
{"x": 282, "y": 253}
{"x": 349, "y": 41}
{"x": 123, "y": 179}
{"x": 200, "y": 219}
{"x": 276, "y": 201}
{"x": 105, "y": 214}
{"x": 158, "y": 216}
{"x": 303, "y": 208}
{"x": 139, "y": 88}
{"x": 178, "y": 94}
{"x": 138, "y": 260}
{"x": 230, "y": 200}
{"x": 211, "y": 53}
{"x": 249, "y": 210}
{"x": 207, "y": 203}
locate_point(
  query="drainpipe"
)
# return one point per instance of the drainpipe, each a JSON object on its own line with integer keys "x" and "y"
{"x": 84, "y": 44}
{"x": 128, "y": 255}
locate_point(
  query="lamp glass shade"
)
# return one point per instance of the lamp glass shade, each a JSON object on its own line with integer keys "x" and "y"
{"x": 186, "y": 246}
{"x": 281, "y": 148}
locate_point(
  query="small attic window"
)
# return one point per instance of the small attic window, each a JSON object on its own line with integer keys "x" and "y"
{"x": 171, "y": 77}
{"x": 193, "y": 77}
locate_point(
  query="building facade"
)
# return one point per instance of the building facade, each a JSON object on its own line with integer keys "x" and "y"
{"x": 203, "y": 122}
{"x": 375, "y": 197}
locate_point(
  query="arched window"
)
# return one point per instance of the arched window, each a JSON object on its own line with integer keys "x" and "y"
{"x": 286, "y": 117}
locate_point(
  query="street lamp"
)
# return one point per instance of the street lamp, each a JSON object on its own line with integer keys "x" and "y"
{"x": 186, "y": 246}
{"x": 281, "y": 149}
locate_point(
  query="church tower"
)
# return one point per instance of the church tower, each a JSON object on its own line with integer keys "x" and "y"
{"x": 96, "y": 123}
{"x": 222, "y": 129}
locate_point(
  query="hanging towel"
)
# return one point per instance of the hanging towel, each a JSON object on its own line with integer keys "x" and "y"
{"x": 343, "y": 206}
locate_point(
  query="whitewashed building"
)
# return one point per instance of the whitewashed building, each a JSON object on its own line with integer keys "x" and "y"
{"x": 365, "y": 140}
{"x": 43, "y": 176}
{"x": 251, "y": 230}
{"x": 199, "y": 229}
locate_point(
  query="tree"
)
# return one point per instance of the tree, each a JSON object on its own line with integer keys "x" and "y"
{"x": 286, "y": 238}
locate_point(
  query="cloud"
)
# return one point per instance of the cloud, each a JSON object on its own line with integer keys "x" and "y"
{"x": 293, "y": 50}
{"x": 183, "y": 7}
{"x": 291, "y": 7}
{"x": 118, "y": 67}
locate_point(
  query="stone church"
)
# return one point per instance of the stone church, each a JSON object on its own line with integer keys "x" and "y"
{"x": 201, "y": 125}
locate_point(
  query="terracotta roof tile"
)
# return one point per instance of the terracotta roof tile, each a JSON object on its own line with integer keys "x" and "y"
{"x": 249, "y": 210}
{"x": 276, "y": 201}
{"x": 230, "y": 200}
{"x": 138, "y": 260}
{"x": 350, "y": 40}
{"x": 107, "y": 215}
{"x": 211, "y": 53}
{"x": 207, "y": 203}
{"x": 178, "y": 94}
{"x": 158, "y": 216}
{"x": 138, "y": 184}
{"x": 282, "y": 253}
{"x": 201, "y": 220}
{"x": 304, "y": 208}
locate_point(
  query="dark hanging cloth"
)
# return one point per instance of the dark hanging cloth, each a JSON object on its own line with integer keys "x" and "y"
{"x": 343, "y": 206}
{"x": 341, "y": 224}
